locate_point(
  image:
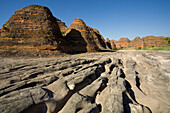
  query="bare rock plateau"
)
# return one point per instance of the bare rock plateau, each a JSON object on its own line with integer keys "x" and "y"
{"x": 107, "y": 82}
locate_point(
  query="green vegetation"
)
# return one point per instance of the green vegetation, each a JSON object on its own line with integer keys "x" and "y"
{"x": 139, "y": 48}
{"x": 168, "y": 39}
{"x": 155, "y": 48}
{"x": 114, "y": 48}
{"x": 63, "y": 32}
{"x": 163, "y": 47}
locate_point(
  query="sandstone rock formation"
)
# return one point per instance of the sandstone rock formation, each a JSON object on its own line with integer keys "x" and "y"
{"x": 123, "y": 42}
{"x": 31, "y": 31}
{"x": 74, "y": 42}
{"x": 80, "y": 26}
{"x": 110, "y": 44}
{"x": 145, "y": 42}
{"x": 34, "y": 31}
{"x": 62, "y": 26}
{"x": 33, "y": 25}
{"x": 149, "y": 41}
{"x": 124, "y": 81}
{"x": 80, "y": 38}
{"x": 136, "y": 43}
{"x": 98, "y": 38}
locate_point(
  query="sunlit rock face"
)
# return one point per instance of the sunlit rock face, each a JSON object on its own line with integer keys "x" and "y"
{"x": 32, "y": 25}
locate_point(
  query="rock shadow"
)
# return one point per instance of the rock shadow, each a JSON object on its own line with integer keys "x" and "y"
{"x": 74, "y": 43}
{"x": 101, "y": 41}
{"x": 132, "y": 99}
{"x": 106, "y": 50}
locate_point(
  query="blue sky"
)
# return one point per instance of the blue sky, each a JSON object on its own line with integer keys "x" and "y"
{"x": 113, "y": 18}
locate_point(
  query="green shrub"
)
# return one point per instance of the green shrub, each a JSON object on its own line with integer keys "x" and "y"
{"x": 167, "y": 38}
{"x": 114, "y": 48}
{"x": 63, "y": 32}
{"x": 139, "y": 48}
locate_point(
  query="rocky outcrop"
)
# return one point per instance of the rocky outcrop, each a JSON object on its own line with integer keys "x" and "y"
{"x": 136, "y": 43}
{"x": 124, "y": 81}
{"x": 80, "y": 38}
{"x": 149, "y": 41}
{"x": 31, "y": 31}
{"x": 62, "y": 26}
{"x": 34, "y": 31}
{"x": 98, "y": 38}
{"x": 32, "y": 25}
{"x": 110, "y": 44}
{"x": 123, "y": 42}
{"x": 74, "y": 42}
{"x": 80, "y": 26}
{"x": 145, "y": 42}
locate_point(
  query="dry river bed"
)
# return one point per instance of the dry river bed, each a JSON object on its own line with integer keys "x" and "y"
{"x": 107, "y": 82}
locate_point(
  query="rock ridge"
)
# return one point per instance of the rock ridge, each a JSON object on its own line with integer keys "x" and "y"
{"x": 145, "y": 42}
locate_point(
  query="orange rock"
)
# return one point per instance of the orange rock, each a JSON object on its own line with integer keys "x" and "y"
{"x": 136, "y": 43}
{"x": 32, "y": 23}
{"x": 149, "y": 41}
{"x": 145, "y": 42}
{"x": 123, "y": 42}
{"x": 80, "y": 26}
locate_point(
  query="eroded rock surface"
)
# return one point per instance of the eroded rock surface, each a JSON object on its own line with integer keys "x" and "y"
{"x": 115, "y": 82}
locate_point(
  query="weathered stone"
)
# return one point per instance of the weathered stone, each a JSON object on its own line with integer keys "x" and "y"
{"x": 80, "y": 26}
{"x": 31, "y": 31}
{"x": 62, "y": 26}
{"x": 34, "y": 23}
{"x": 123, "y": 42}
{"x": 123, "y": 81}
{"x": 150, "y": 41}
{"x": 145, "y": 42}
{"x": 98, "y": 38}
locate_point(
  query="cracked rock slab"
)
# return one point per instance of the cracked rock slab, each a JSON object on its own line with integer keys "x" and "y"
{"x": 108, "y": 82}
